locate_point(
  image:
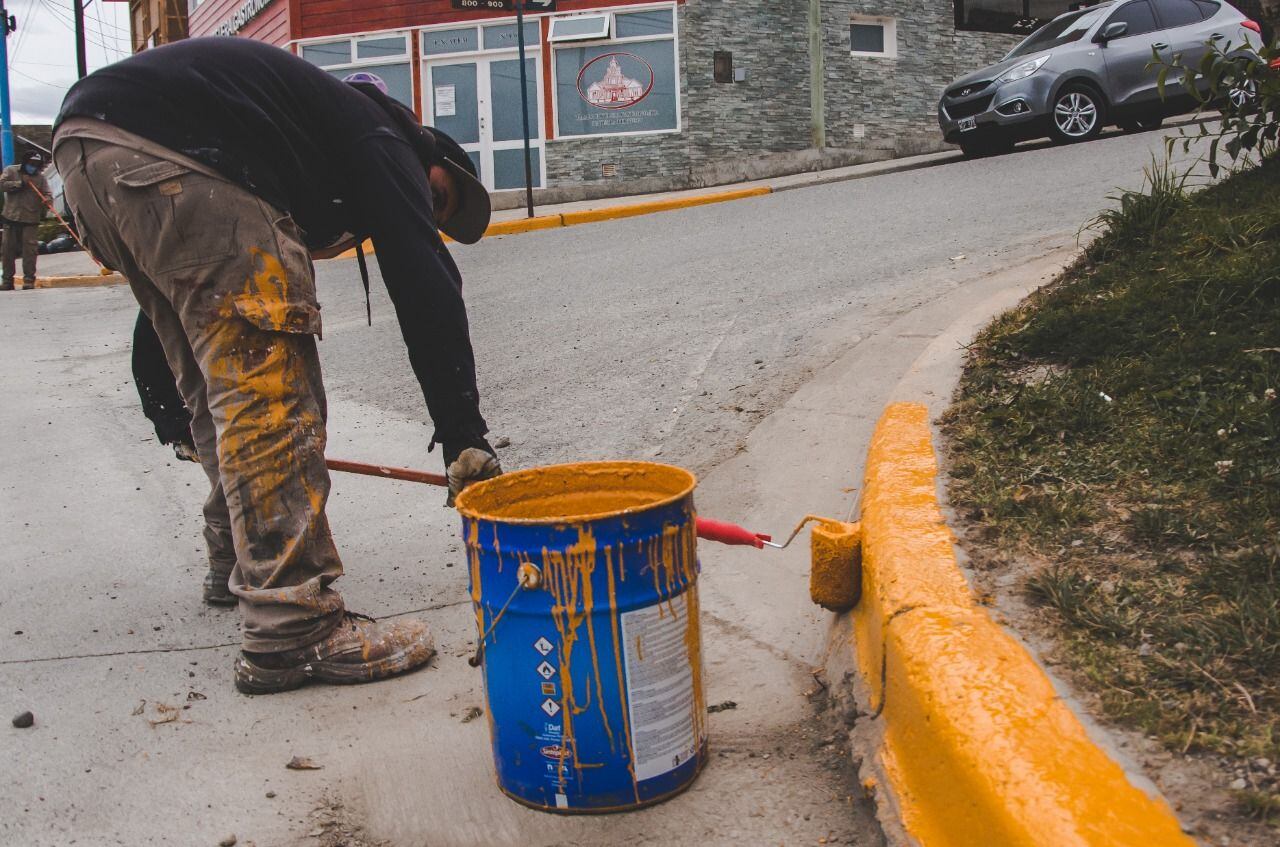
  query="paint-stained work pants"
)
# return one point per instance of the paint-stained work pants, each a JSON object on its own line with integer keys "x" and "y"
{"x": 228, "y": 283}
{"x": 19, "y": 240}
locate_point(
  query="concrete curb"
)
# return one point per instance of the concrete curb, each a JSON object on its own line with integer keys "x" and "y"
{"x": 606, "y": 213}
{"x": 972, "y": 745}
{"x": 513, "y": 227}
{"x": 79, "y": 280}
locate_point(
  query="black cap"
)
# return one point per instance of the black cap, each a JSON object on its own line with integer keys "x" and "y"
{"x": 471, "y": 218}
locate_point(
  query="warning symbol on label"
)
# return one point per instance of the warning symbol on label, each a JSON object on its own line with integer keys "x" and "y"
{"x": 551, "y": 707}
{"x": 543, "y": 646}
{"x": 546, "y": 671}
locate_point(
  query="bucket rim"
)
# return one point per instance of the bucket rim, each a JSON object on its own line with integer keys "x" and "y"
{"x": 473, "y": 491}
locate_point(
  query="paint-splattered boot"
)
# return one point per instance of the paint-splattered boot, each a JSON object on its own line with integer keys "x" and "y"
{"x": 359, "y": 649}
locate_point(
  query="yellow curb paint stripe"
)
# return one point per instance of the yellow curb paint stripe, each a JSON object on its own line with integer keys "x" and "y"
{"x": 519, "y": 225}
{"x": 978, "y": 748}
{"x": 524, "y": 225}
{"x": 79, "y": 280}
{"x": 901, "y": 523}
{"x": 647, "y": 208}
{"x": 512, "y": 227}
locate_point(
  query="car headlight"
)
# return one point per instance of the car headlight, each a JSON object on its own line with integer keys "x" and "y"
{"x": 1022, "y": 71}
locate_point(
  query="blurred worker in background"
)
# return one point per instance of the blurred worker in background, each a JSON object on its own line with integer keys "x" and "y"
{"x": 23, "y": 186}
{"x": 209, "y": 172}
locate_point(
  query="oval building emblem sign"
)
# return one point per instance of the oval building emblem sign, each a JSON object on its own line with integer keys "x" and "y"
{"x": 603, "y": 83}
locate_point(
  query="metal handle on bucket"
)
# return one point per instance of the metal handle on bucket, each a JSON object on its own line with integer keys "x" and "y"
{"x": 528, "y": 577}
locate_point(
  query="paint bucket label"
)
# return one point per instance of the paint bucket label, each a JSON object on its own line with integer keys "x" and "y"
{"x": 660, "y": 684}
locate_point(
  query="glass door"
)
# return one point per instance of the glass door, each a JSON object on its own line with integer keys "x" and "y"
{"x": 508, "y": 123}
{"x": 477, "y": 102}
{"x": 453, "y": 105}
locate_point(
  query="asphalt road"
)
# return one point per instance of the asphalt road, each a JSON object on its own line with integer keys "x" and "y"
{"x": 753, "y": 342}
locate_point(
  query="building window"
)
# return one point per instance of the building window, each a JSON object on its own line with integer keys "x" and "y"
{"x": 384, "y": 55}
{"x": 441, "y": 42}
{"x": 505, "y": 37}
{"x": 623, "y": 81}
{"x": 1019, "y": 17}
{"x": 579, "y": 28}
{"x": 382, "y": 48}
{"x": 873, "y": 37}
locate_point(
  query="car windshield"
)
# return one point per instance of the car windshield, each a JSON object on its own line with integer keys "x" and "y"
{"x": 1057, "y": 32}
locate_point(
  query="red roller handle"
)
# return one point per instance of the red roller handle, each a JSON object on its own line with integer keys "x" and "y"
{"x": 406, "y": 474}
{"x": 707, "y": 528}
{"x": 730, "y": 533}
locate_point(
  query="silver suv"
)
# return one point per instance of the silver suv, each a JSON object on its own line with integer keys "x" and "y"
{"x": 1087, "y": 69}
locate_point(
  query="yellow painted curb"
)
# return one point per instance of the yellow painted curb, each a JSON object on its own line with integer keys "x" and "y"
{"x": 79, "y": 280}
{"x": 977, "y": 748}
{"x": 647, "y": 208}
{"x": 524, "y": 225}
{"x": 586, "y": 216}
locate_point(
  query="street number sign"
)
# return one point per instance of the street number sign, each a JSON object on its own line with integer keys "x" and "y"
{"x": 505, "y": 5}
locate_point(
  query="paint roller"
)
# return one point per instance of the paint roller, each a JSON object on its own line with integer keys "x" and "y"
{"x": 835, "y": 551}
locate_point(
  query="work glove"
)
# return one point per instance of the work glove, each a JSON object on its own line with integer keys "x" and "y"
{"x": 468, "y": 462}
{"x": 184, "y": 449}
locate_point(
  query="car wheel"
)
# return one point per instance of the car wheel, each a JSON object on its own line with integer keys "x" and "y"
{"x": 1078, "y": 114}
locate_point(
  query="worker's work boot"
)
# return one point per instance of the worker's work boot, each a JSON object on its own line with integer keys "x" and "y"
{"x": 216, "y": 592}
{"x": 6, "y": 285}
{"x": 28, "y": 283}
{"x": 359, "y": 649}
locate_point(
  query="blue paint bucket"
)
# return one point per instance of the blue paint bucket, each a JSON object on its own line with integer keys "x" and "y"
{"x": 584, "y": 585}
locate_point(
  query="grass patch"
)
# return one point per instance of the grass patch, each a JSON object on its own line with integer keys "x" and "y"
{"x": 1122, "y": 424}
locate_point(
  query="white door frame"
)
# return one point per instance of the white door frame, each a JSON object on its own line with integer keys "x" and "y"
{"x": 484, "y": 109}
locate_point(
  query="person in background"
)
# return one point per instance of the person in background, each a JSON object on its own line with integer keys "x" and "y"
{"x": 24, "y": 207}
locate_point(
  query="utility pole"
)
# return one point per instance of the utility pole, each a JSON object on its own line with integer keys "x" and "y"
{"x": 77, "y": 12}
{"x": 817, "y": 78}
{"x": 6, "y": 122}
{"x": 524, "y": 108}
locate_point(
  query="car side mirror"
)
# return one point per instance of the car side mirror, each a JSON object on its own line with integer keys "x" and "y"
{"x": 1118, "y": 29}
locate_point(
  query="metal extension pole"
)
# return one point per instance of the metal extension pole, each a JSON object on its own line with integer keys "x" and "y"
{"x": 524, "y": 108}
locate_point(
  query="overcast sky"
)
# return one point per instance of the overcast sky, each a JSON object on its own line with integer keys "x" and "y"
{"x": 42, "y": 53}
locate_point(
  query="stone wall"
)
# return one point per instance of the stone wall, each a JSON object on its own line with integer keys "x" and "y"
{"x": 767, "y": 113}
{"x": 895, "y": 100}
{"x": 761, "y": 127}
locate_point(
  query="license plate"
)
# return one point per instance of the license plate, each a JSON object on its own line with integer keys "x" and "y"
{"x": 966, "y": 124}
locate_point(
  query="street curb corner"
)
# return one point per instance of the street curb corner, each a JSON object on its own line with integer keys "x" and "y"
{"x": 79, "y": 280}
{"x": 967, "y": 742}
